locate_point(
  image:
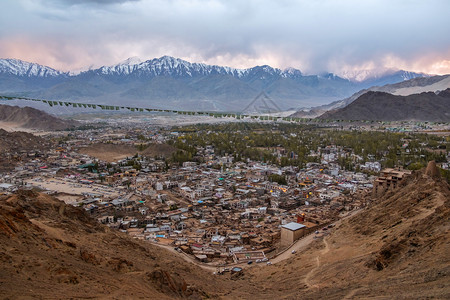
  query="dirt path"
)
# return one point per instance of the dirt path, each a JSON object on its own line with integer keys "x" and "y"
{"x": 308, "y": 276}
{"x": 327, "y": 247}
{"x": 352, "y": 293}
{"x": 311, "y": 272}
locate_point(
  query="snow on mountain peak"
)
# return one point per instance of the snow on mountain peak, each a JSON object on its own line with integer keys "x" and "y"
{"x": 407, "y": 75}
{"x": 171, "y": 66}
{"x": 359, "y": 75}
{"x": 123, "y": 68}
{"x": 22, "y": 68}
{"x": 291, "y": 73}
{"x": 134, "y": 60}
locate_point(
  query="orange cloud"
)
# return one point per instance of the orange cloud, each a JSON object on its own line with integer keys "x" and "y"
{"x": 440, "y": 67}
{"x": 58, "y": 55}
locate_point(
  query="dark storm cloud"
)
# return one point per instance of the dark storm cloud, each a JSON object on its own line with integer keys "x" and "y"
{"x": 315, "y": 36}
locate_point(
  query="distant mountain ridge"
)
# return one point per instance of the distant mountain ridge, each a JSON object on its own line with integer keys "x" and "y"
{"x": 404, "y": 88}
{"x": 167, "y": 65}
{"x": 377, "y": 75}
{"x": 382, "y": 106}
{"x": 169, "y": 82}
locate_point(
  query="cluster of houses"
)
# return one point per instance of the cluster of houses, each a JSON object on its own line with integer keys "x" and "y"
{"x": 225, "y": 214}
{"x": 218, "y": 210}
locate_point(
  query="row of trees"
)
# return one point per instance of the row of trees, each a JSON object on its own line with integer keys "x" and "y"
{"x": 259, "y": 142}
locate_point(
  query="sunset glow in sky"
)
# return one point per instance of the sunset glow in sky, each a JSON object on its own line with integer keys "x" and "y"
{"x": 340, "y": 36}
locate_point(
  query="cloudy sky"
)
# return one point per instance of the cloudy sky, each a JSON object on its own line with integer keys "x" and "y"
{"x": 312, "y": 35}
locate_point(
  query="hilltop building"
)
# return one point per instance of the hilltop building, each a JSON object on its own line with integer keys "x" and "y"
{"x": 389, "y": 179}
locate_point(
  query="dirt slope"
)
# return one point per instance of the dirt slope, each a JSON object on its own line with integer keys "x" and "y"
{"x": 52, "y": 250}
{"x": 396, "y": 249}
{"x": 31, "y": 118}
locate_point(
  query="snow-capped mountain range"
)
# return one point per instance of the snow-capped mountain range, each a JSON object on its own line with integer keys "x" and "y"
{"x": 173, "y": 82}
{"x": 170, "y": 66}
{"x": 19, "y": 67}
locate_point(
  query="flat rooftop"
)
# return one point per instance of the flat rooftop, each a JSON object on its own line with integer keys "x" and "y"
{"x": 293, "y": 226}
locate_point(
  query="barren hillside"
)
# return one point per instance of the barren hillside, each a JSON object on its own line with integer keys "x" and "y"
{"x": 52, "y": 250}
{"x": 404, "y": 88}
{"x": 380, "y": 106}
{"x": 31, "y": 118}
{"x": 396, "y": 249}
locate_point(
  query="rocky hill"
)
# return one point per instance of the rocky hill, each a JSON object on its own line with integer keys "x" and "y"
{"x": 31, "y": 118}
{"x": 52, "y": 250}
{"x": 416, "y": 85}
{"x": 381, "y": 106}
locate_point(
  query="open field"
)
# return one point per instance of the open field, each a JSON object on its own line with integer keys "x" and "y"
{"x": 114, "y": 152}
{"x": 73, "y": 187}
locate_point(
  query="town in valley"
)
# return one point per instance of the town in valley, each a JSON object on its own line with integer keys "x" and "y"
{"x": 228, "y": 193}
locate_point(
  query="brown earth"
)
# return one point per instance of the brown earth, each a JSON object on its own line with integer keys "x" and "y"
{"x": 31, "y": 118}
{"x": 158, "y": 150}
{"x": 109, "y": 152}
{"x": 18, "y": 141}
{"x": 15, "y": 142}
{"x": 115, "y": 152}
{"x": 52, "y": 250}
{"x": 397, "y": 248}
